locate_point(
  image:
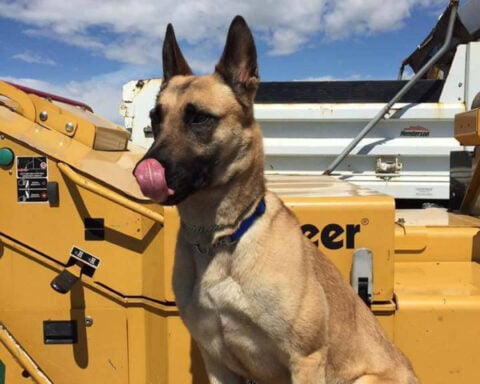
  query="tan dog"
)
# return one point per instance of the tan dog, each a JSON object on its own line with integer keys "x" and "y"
{"x": 259, "y": 299}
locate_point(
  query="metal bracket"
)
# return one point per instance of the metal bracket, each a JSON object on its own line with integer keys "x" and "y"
{"x": 388, "y": 164}
{"x": 361, "y": 275}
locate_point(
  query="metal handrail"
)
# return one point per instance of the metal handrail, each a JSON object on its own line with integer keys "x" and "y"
{"x": 398, "y": 96}
{"x": 108, "y": 194}
{"x": 25, "y": 105}
{"x": 22, "y": 357}
{"x": 51, "y": 96}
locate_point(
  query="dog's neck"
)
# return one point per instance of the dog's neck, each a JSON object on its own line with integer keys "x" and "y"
{"x": 217, "y": 212}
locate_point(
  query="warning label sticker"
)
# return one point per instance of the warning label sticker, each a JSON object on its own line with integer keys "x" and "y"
{"x": 32, "y": 167}
{"x": 85, "y": 257}
{"x": 32, "y": 178}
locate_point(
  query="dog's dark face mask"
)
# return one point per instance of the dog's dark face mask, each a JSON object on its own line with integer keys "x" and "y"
{"x": 183, "y": 158}
{"x": 202, "y": 126}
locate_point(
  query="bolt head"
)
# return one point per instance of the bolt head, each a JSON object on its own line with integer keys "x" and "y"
{"x": 69, "y": 127}
{"x": 43, "y": 116}
{"x": 88, "y": 321}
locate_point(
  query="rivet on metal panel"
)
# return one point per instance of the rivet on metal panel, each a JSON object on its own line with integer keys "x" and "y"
{"x": 69, "y": 127}
{"x": 25, "y": 374}
{"x": 88, "y": 321}
{"x": 43, "y": 116}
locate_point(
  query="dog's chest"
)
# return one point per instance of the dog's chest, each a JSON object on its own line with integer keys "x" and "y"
{"x": 227, "y": 317}
{"x": 218, "y": 304}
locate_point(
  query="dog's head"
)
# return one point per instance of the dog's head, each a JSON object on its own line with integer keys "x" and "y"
{"x": 203, "y": 126}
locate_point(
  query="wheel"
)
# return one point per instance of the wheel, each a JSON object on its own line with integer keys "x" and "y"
{"x": 476, "y": 101}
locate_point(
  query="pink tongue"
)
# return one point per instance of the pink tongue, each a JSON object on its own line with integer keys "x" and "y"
{"x": 150, "y": 176}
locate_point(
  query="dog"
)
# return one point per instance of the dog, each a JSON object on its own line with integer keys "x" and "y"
{"x": 257, "y": 296}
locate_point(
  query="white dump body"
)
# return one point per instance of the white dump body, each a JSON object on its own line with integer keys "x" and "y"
{"x": 406, "y": 155}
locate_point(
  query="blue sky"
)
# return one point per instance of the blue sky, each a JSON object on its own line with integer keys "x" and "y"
{"x": 85, "y": 49}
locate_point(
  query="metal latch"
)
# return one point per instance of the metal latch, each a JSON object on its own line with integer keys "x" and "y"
{"x": 148, "y": 131}
{"x": 361, "y": 275}
{"x": 66, "y": 279}
{"x": 60, "y": 332}
{"x": 80, "y": 263}
{"x": 388, "y": 164}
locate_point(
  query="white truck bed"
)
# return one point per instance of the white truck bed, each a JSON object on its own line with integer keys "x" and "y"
{"x": 304, "y": 137}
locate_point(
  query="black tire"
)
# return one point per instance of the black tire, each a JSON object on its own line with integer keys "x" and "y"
{"x": 476, "y": 101}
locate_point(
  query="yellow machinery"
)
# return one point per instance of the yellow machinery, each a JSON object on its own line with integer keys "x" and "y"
{"x": 86, "y": 261}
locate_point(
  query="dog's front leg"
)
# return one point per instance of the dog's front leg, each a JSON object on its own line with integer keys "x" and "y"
{"x": 309, "y": 369}
{"x": 218, "y": 373}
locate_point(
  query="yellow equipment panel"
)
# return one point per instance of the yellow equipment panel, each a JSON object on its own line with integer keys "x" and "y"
{"x": 467, "y": 127}
{"x": 69, "y": 209}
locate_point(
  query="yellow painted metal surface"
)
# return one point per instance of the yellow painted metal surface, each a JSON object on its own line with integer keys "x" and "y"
{"x": 355, "y": 222}
{"x": 110, "y": 167}
{"x": 122, "y": 201}
{"x": 438, "y": 319}
{"x": 436, "y": 235}
{"x": 20, "y": 102}
{"x": 132, "y": 241}
{"x": 437, "y": 290}
{"x": 467, "y": 127}
{"x": 129, "y": 340}
{"x": 83, "y": 126}
{"x": 426, "y": 271}
{"x": 14, "y": 372}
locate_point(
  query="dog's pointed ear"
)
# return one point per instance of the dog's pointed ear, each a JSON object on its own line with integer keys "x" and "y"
{"x": 173, "y": 61}
{"x": 238, "y": 64}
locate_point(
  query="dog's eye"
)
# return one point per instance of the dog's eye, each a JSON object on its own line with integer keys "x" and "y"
{"x": 156, "y": 115}
{"x": 156, "y": 119}
{"x": 197, "y": 119}
{"x": 201, "y": 118}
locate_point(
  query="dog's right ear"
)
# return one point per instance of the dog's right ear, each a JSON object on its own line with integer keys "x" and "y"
{"x": 173, "y": 61}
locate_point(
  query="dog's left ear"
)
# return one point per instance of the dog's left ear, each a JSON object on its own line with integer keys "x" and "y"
{"x": 238, "y": 64}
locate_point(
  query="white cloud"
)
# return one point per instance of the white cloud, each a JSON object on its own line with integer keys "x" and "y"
{"x": 132, "y": 31}
{"x": 333, "y": 78}
{"x": 351, "y": 18}
{"x": 32, "y": 58}
{"x": 103, "y": 93}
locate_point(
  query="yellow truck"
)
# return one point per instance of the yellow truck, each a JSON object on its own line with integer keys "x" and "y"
{"x": 86, "y": 261}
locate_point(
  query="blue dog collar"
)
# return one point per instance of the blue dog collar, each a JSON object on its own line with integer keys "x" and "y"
{"x": 248, "y": 222}
{"x": 237, "y": 235}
